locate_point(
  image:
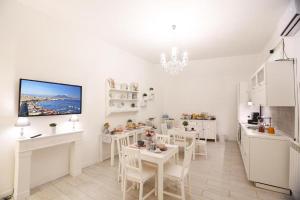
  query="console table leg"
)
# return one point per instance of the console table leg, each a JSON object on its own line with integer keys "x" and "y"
{"x": 75, "y": 159}
{"x": 22, "y": 175}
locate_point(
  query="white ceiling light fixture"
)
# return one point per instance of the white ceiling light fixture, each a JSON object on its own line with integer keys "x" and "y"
{"x": 175, "y": 64}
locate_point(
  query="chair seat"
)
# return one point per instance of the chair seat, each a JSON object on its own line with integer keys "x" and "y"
{"x": 174, "y": 171}
{"x": 146, "y": 174}
{"x": 180, "y": 143}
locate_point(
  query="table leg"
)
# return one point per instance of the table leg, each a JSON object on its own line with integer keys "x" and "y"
{"x": 194, "y": 151}
{"x": 160, "y": 181}
{"x": 112, "y": 153}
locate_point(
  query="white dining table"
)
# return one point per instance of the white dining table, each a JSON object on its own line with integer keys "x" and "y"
{"x": 135, "y": 133}
{"x": 160, "y": 159}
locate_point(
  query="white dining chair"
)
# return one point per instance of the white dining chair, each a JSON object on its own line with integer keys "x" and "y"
{"x": 179, "y": 138}
{"x": 201, "y": 146}
{"x": 164, "y": 128}
{"x": 122, "y": 141}
{"x": 162, "y": 139}
{"x": 136, "y": 172}
{"x": 180, "y": 173}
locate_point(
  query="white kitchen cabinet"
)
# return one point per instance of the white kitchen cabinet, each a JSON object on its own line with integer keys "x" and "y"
{"x": 206, "y": 128}
{"x": 273, "y": 84}
{"x": 245, "y": 150}
{"x": 269, "y": 162}
{"x": 266, "y": 159}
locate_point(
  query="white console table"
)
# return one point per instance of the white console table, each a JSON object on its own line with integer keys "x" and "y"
{"x": 23, "y": 151}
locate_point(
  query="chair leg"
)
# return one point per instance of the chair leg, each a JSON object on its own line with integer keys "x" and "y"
{"x": 155, "y": 189}
{"x": 119, "y": 171}
{"x": 205, "y": 151}
{"x": 124, "y": 188}
{"x": 182, "y": 190}
{"x": 189, "y": 184}
{"x": 141, "y": 191}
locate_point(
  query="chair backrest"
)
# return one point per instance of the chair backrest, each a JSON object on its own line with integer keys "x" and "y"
{"x": 162, "y": 139}
{"x": 179, "y": 137}
{"x": 164, "y": 128}
{"x": 132, "y": 159}
{"x": 187, "y": 157}
{"x": 123, "y": 140}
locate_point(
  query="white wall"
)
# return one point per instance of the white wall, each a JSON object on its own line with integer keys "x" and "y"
{"x": 36, "y": 46}
{"x": 209, "y": 86}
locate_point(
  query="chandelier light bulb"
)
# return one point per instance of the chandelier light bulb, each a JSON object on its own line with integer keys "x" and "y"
{"x": 174, "y": 53}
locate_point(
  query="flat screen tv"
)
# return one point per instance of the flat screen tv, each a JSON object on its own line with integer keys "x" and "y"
{"x": 40, "y": 98}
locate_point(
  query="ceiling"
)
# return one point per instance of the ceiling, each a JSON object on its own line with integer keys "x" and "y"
{"x": 205, "y": 28}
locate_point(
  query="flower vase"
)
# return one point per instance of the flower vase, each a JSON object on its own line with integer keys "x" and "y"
{"x": 53, "y": 130}
{"x": 149, "y": 141}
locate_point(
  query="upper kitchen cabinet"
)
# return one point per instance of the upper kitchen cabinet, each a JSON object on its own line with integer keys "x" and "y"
{"x": 273, "y": 84}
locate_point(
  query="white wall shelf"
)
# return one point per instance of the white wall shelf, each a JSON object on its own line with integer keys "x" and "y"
{"x": 119, "y": 90}
{"x": 121, "y": 98}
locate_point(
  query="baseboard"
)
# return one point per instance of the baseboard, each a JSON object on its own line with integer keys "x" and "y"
{"x": 273, "y": 188}
{"x": 6, "y": 193}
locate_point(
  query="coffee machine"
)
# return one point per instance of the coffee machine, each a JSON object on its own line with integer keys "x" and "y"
{"x": 254, "y": 118}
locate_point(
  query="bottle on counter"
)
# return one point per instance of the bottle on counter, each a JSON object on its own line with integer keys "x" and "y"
{"x": 261, "y": 126}
{"x": 271, "y": 130}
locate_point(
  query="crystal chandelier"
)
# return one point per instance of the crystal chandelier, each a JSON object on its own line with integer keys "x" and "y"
{"x": 176, "y": 63}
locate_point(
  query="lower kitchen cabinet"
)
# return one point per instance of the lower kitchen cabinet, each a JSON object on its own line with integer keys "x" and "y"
{"x": 266, "y": 159}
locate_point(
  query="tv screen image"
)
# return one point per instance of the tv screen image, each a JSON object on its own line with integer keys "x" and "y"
{"x": 39, "y": 98}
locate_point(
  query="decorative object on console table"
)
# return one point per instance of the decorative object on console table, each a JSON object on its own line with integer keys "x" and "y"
{"x": 22, "y": 122}
{"x": 53, "y": 128}
{"x": 74, "y": 119}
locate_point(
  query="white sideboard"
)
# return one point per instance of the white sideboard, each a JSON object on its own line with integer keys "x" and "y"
{"x": 205, "y": 128}
{"x": 23, "y": 152}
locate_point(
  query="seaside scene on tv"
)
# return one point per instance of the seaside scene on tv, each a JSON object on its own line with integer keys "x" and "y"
{"x": 43, "y": 98}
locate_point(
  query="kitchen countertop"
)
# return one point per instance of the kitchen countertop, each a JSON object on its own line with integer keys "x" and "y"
{"x": 279, "y": 135}
{"x": 199, "y": 119}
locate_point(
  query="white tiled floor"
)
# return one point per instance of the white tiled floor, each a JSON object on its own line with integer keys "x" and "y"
{"x": 221, "y": 176}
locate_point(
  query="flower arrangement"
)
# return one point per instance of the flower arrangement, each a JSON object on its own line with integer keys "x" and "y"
{"x": 106, "y": 125}
{"x": 106, "y": 128}
{"x": 53, "y": 127}
{"x": 185, "y": 123}
{"x": 149, "y": 133}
